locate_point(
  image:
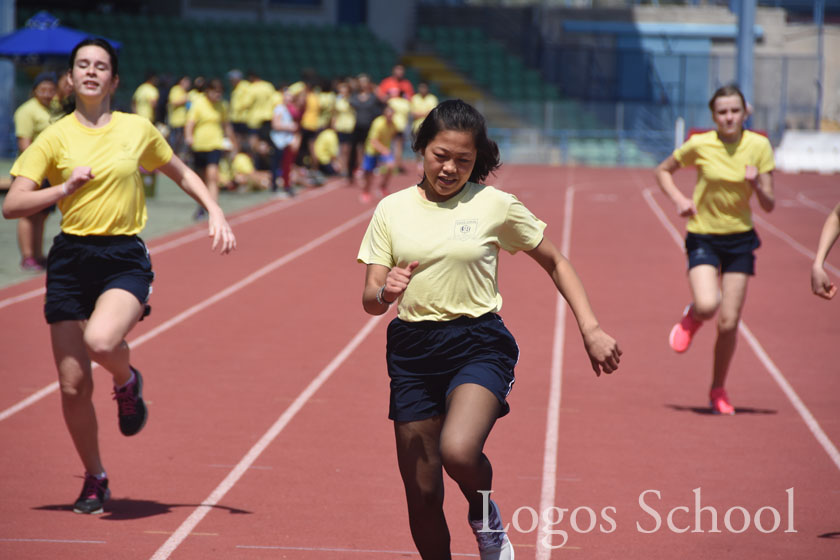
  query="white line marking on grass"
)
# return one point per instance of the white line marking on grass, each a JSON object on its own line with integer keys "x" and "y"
{"x": 181, "y": 317}
{"x": 552, "y": 422}
{"x": 233, "y": 477}
{"x": 246, "y": 216}
{"x": 771, "y": 367}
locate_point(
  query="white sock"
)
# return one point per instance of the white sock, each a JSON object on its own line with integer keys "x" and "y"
{"x": 130, "y": 379}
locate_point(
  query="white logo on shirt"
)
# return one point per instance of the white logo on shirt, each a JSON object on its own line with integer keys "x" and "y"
{"x": 465, "y": 229}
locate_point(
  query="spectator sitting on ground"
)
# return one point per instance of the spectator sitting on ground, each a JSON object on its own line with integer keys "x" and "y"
{"x": 326, "y": 151}
{"x": 246, "y": 177}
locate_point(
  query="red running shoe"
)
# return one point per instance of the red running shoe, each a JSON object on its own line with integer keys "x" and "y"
{"x": 719, "y": 401}
{"x": 683, "y": 332}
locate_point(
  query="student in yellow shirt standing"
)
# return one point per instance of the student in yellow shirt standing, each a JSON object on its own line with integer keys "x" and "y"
{"x": 145, "y": 98}
{"x": 176, "y": 109}
{"x": 344, "y": 121}
{"x": 205, "y": 132}
{"x": 261, "y": 94}
{"x": 732, "y": 165}
{"x": 99, "y": 272}
{"x": 31, "y": 118}
{"x": 402, "y": 115}
{"x": 240, "y": 101}
{"x": 378, "y": 154}
{"x": 432, "y": 249}
{"x": 422, "y": 104}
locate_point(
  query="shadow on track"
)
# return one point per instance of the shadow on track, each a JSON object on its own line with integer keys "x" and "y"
{"x": 126, "y": 509}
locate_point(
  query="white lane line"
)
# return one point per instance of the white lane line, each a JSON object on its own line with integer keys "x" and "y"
{"x": 233, "y": 477}
{"x": 793, "y": 242}
{"x": 181, "y": 317}
{"x": 813, "y": 204}
{"x": 552, "y": 422}
{"x": 769, "y": 365}
{"x": 797, "y": 403}
{"x": 247, "y": 216}
{"x": 21, "y": 297}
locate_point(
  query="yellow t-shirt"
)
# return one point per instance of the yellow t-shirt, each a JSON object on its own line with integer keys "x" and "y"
{"x": 177, "y": 114}
{"x": 326, "y": 146}
{"x": 326, "y": 108}
{"x": 345, "y": 116}
{"x": 457, "y": 244}
{"x": 145, "y": 98}
{"x": 242, "y": 164}
{"x": 311, "y": 112}
{"x": 112, "y": 203}
{"x": 383, "y": 131}
{"x": 240, "y": 102}
{"x": 722, "y": 195}
{"x": 424, "y": 105}
{"x": 31, "y": 118}
{"x": 262, "y": 107}
{"x": 209, "y": 118}
{"x": 402, "y": 111}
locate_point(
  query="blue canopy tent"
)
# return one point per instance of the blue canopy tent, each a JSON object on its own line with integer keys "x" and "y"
{"x": 42, "y": 38}
{"x": 42, "y": 44}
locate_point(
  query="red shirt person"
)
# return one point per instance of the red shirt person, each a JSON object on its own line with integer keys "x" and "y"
{"x": 397, "y": 80}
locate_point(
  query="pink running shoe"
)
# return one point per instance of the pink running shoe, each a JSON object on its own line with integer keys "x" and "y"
{"x": 30, "y": 264}
{"x": 683, "y": 332}
{"x": 719, "y": 401}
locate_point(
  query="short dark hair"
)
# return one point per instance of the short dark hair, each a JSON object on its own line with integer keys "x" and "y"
{"x": 727, "y": 91}
{"x": 458, "y": 115}
{"x": 103, "y": 44}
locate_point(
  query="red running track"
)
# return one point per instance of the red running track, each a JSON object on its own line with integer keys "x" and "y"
{"x": 268, "y": 435}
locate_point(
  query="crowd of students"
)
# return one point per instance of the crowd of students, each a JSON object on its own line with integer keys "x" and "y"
{"x": 254, "y": 135}
{"x": 262, "y": 136}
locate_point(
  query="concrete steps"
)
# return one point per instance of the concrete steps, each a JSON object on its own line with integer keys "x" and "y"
{"x": 453, "y": 84}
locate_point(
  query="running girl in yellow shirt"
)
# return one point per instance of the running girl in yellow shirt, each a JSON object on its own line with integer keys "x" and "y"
{"x": 433, "y": 250}
{"x": 732, "y": 164}
{"x": 98, "y": 270}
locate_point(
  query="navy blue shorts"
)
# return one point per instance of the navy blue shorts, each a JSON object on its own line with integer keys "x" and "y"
{"x": 202, "y": 159}
{"x": 81, "y": 268}
{"x": 428, "y": 359}
{"x": 728, "y": 253}
{"x": 370, "y": 163}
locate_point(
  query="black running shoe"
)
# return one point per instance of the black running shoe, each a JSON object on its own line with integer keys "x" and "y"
{"x": 94, "y": 493}
{"x": 130, "y": 406}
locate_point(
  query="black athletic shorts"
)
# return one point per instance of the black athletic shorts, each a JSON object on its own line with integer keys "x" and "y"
{"x": 81, "y": 268}
{"x": 428, "y": 359}
{"x": 728, "y": 253}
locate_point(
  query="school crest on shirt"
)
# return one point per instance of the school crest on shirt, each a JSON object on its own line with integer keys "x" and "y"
{"x": 465, "y": 229}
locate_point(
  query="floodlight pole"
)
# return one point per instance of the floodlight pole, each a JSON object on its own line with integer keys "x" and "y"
{"x": 744, "y": 44}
